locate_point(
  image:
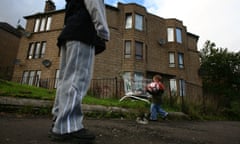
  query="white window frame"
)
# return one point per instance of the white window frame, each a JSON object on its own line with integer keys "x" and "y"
{"x": 31, "y": 50}
{"x": 25, "y": 77}
{"x": 31, "y": 77}
{"x": 43, "y": 24}
{"x": 138, "y": 81}
{"x": 173, "y": 87}
{"x": 36, "y": 26}
{"x": 128, "y": 21}
{"x": 127, "y": 82}
{"x": 37, "y": 50}
{"x": 170, "y": 36}
{"x": 127, "y": 49}
{"x": 48, "y": 25}
{"x": 171, "y": 59}
{"x": 43, "y": 48}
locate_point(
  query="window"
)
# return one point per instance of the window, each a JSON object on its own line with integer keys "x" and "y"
{"x": 182, "y": 87}
{"x": 38, "y": 77}
{"x": 36, "y": 27}
{"x": 25, "y": 77}
{"x": 56, "y": 78}
{"x": 43, "y": 49}
{"x": 180, "y": 60}
{"x": 171, "y": 59}
{"x": 138, "y": 22}
{"x": 30, "y": 51}
{"x": 138, "y": 80}
{"x": 134, "y": 83}
{"x": 127, "y": 75}
{"x": 173, "y": 87}
{"x": 128, "y": 21}
{"x": 127, "y": 82}
{"x": 42, "y": 24}
{"x": 139, "y": 50}
{"x": 127, "y": 51}
{"x": 31, "y": 77}
{"x": 170, "y": 33}
{"x": 36, "y": 50}
{"x": 172, "y": 37}
{"x": 179, "y": 35}
{"x": 49, "y": 21}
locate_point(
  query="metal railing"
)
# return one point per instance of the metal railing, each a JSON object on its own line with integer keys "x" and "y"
{"x": 107, "y": 88}
{"x": 102, "y": 88}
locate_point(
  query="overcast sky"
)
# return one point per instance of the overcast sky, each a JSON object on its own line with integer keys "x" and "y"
{"x": 214, "y": 20}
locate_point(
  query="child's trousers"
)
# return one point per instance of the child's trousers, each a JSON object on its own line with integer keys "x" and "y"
{"x": 156, "y": 109}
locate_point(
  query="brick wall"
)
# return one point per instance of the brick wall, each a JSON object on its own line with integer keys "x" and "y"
{"x": 9, "y": 43}
{"x": 111, "y": 63}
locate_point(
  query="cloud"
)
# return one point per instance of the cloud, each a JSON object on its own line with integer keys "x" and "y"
{"x": 13, "y": 10}
{"x": 60, "y": 4}
{"x": 214, "y": 20}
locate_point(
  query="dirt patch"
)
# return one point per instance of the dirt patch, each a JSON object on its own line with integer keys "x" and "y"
{"x": 15, "y": 129}
{"x": 165, "y": 132}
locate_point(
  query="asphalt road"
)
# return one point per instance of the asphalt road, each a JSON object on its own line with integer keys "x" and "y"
{"x": 18, "y": 129}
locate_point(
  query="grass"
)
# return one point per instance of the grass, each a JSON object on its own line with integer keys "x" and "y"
{"x": 12, "y": 89}
{"x": 25, "y": 91}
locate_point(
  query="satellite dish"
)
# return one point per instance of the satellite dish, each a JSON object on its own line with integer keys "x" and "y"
{"x": 27, "y": 34}
{"x": 161, "y": 41}
{"x": 47, "y": 63}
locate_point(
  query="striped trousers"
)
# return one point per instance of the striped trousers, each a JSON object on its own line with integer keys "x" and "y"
{"x": 76, "y": 66}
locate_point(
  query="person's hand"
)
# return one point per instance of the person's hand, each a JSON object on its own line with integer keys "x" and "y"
{"x": 100, "y": 45}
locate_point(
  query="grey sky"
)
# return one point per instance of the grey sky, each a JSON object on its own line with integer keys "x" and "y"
{"x": 214, "y": 20}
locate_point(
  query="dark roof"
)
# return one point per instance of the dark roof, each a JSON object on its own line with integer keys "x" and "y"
{"x": 44, "y": 13}
{"x": 7, "y": 27}
{"x": 193, "y": 35}
{"x": 57, "y": 11}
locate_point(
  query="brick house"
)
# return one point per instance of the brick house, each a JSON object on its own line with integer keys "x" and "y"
{"x": 9, "y": 43}
{"x": 141, "y": 45}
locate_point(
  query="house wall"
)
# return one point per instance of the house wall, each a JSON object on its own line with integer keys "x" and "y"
{"x": 9, "y": 43}
{"x": 111, "y": 63}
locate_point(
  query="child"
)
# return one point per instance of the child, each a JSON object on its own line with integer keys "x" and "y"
{"x": 156, "y": 89}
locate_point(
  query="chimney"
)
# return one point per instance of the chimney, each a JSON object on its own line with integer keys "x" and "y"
{"x": 49, "y": 6}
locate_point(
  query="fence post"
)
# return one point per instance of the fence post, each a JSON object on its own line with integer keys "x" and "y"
{"x": 116, "y": 88}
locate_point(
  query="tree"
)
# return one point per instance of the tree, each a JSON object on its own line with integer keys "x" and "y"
{"x": 220, "y": 72}
{"x": 219, "y": 67}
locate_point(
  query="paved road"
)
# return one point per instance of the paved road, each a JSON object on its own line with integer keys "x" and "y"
{"x": 18, "y": 129}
